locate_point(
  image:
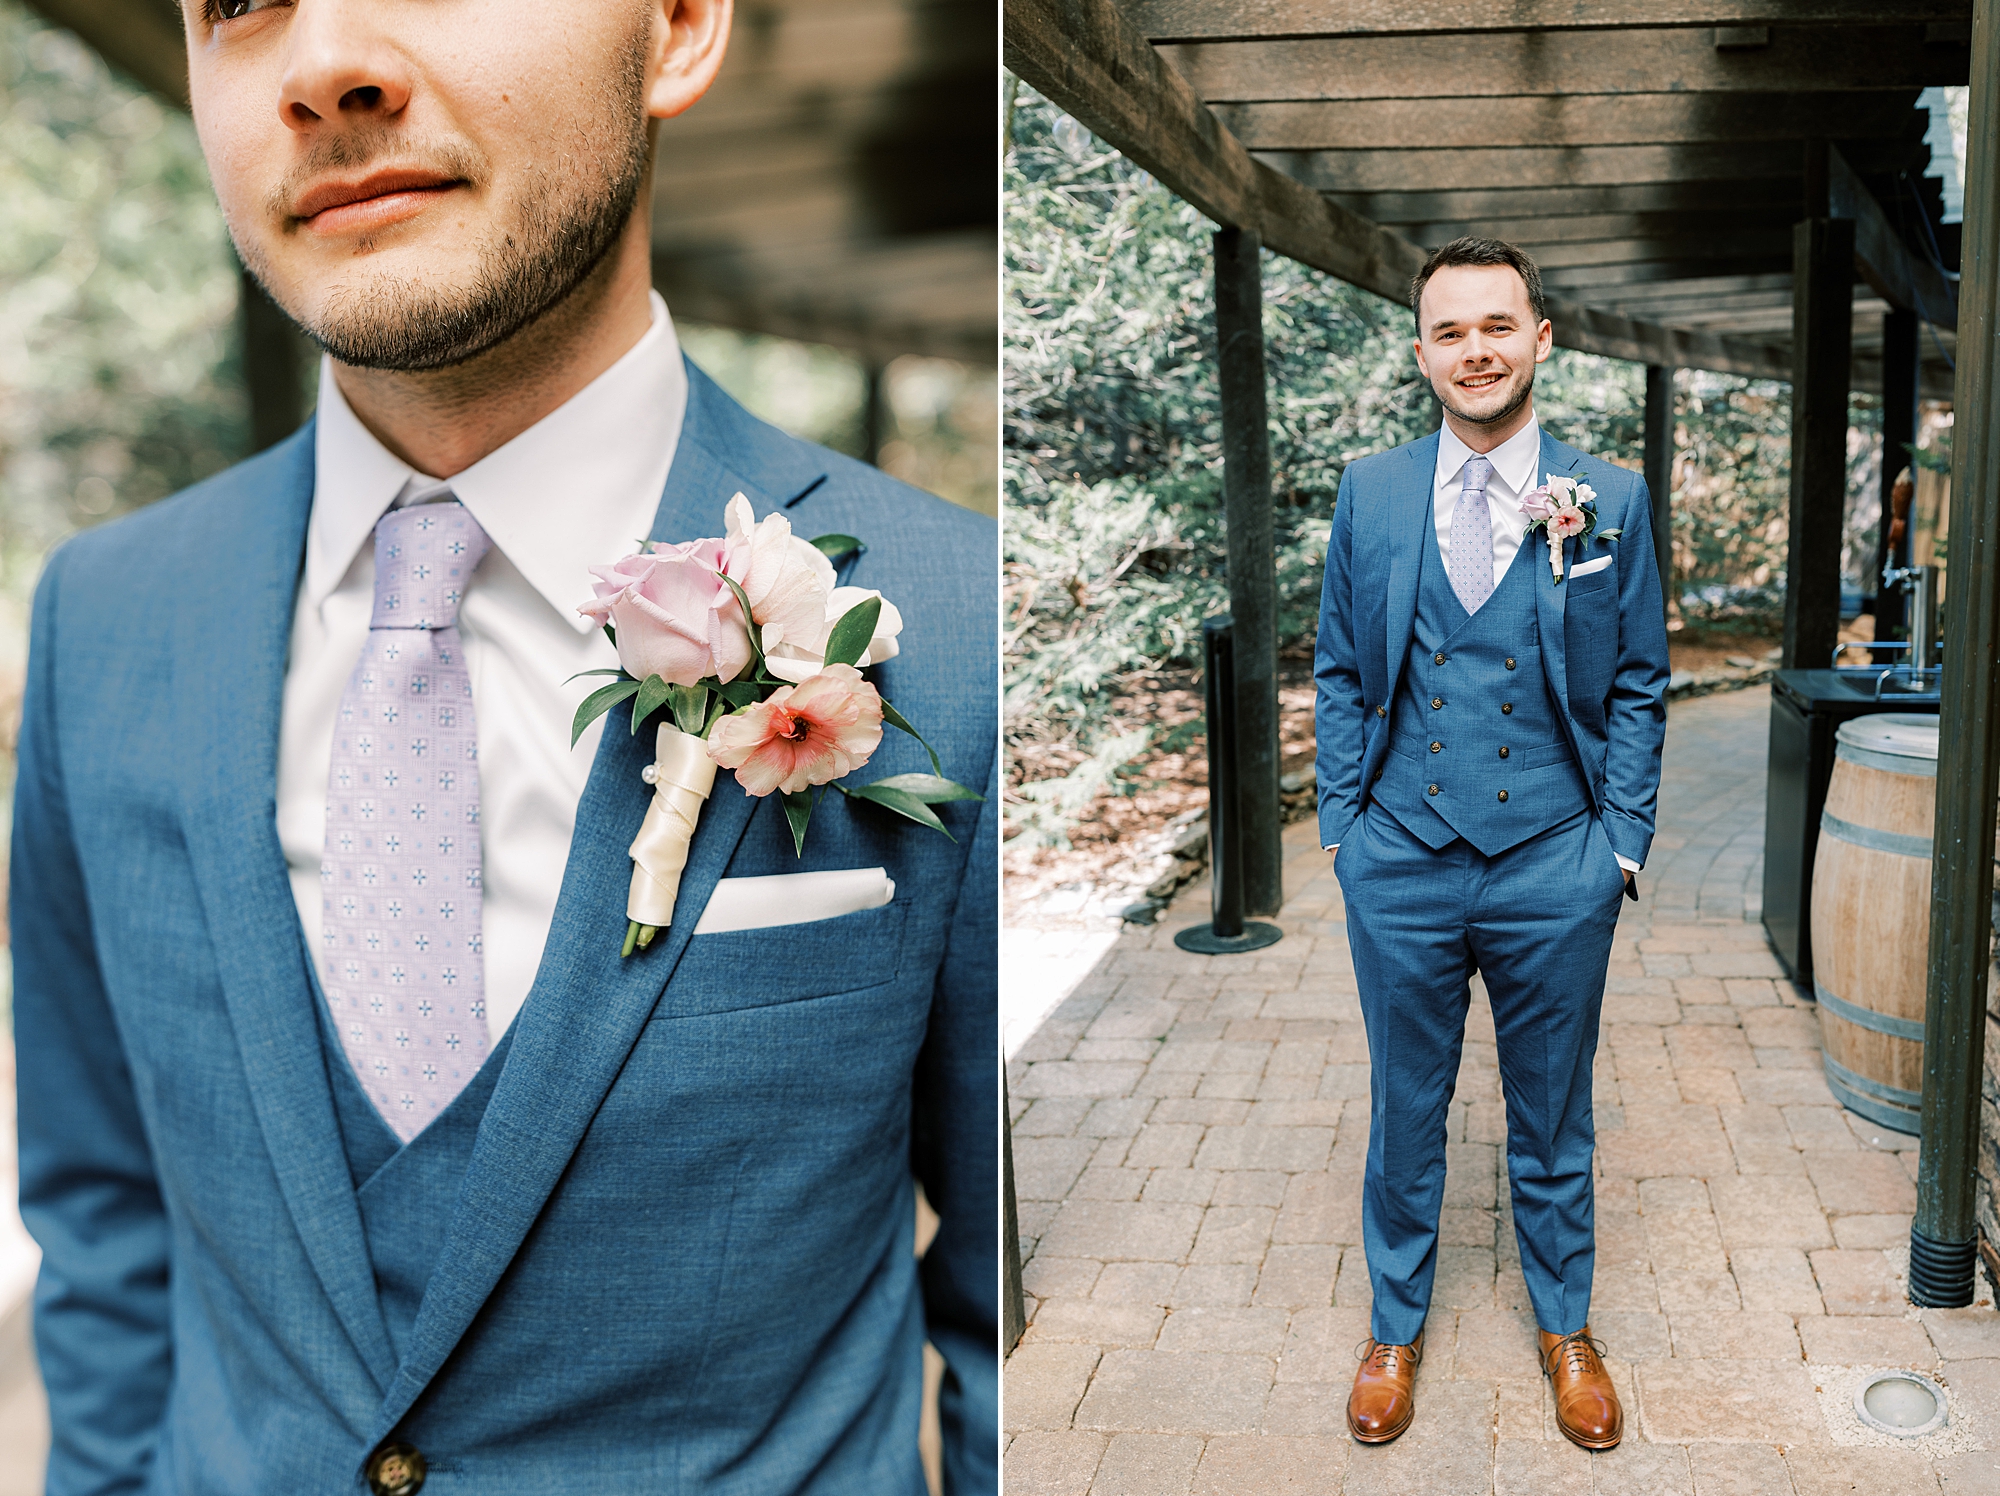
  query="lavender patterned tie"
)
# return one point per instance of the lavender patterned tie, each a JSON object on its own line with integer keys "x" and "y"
{"x": 403, "y": 968}
{"x": 1470, "y": 565}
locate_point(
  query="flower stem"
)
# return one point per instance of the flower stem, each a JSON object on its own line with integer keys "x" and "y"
{"x": 631, "y": 937}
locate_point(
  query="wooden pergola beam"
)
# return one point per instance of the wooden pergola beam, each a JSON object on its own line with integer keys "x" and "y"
{"x": 1082, "y": 55}
{"x": 1508, "y": 64}
{"x": 1227, "y": 20}
{"x": 1880, "y": 254}
{"x": 1554, "y": 203}
{"x": 1567, "y": 120}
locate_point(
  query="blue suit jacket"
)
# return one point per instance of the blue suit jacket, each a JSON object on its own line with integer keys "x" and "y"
{"x": 682, "y": 1257}
{"x": 1604, "y": 638}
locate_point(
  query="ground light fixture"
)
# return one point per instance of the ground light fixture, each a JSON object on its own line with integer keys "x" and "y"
{"x": 1904, "y": 1403}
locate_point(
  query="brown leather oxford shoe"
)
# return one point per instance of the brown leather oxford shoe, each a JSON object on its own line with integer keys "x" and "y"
{"x": 1384, "y": 1400}
{"x": 1587, "y": 1407}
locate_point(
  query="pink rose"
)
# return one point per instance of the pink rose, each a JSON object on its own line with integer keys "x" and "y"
{"x": 675, "y": 616}
{"x": 812, "y": 733}
{"x": 1537, "y": 503}
{"x": 786, "y": 579}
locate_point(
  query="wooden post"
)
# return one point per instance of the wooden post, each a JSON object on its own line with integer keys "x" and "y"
{"x": 1660, "y": 471}
{"x": 275, "y": 359}
{"x": 1901, "y": 369}
{"x": 1822, "y": 339}
{"x": 1253, "y": 572}
{"x": 1943, "y": 1237}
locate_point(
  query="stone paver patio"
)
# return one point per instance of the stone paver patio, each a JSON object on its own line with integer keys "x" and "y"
{"x": 1188, "y": 1141}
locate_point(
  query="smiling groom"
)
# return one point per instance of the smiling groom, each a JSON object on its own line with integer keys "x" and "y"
{"x": 1489, "y": 714}
{"x": 359, "y": 1158}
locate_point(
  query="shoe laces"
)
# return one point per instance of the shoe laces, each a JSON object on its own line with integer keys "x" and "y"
{"x": 1581, "y": 1355}
{"x": 1384, "y": 1360}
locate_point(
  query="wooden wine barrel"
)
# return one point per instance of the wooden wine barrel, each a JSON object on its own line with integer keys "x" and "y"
{"x": 1871, "y": 914}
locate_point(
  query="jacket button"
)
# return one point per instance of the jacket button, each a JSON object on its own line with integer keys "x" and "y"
{"x": 1436, "y": 702}
{"x": 1381, "y": 711}
{"x": 396, "y": 1470}
{"x": 1503, "y": 794}
{"x": 1437, "y": 747}
{"x": 1506, "y": 708}
{"x": 1437, "y": 659}
{"x": 1503, "y": 752}
{"x": 1378, "y": 777}
{"x": 1510, "y": 664}
{"x": 1434, "y": 789}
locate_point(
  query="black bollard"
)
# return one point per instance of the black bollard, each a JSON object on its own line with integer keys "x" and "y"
{"x": 1227, "y": 933}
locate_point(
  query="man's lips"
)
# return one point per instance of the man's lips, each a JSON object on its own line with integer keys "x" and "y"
{"x": 1480, "y": 381}
{"x": 373, "y": 201}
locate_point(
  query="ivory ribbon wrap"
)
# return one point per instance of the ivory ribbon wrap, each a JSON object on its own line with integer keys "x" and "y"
{"x": 682, "y": 774}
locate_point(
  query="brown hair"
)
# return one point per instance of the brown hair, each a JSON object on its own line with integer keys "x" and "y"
{"x": 1471, "y": 251}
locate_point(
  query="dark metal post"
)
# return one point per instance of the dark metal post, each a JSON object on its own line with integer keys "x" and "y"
{"x": 1944, "y": 1236}
{"x": 1901, "y": 370}
{"x": 1660, "y": 471}
{"x": 1253, "y": 571}
{"x": 276, "y": 357}
{"x": 1822, "y": 339}
{"x": 1226, "y": 933}
{"x": 1013, "y": 1304}
{"x": 874, "y": 415}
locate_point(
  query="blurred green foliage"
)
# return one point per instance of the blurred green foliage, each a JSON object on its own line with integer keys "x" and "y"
{"x": 1111, "y": 473}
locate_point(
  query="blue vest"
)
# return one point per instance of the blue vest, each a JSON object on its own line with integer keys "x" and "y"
{"x": 1476, "y": 746}
{"x": 407, "y": 1191}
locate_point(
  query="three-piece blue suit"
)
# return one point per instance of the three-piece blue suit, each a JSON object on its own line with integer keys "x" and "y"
{"x": 663, "y": 1241}
{"x": 1481, "y": 774}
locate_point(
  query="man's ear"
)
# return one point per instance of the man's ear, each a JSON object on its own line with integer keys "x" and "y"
{"x": 1545, "y": 340}
{"x": 1422, "y": 367}
{"x": 690, "y": 38}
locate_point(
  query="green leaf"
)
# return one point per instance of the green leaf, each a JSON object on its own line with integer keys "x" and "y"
{"x": 739, "y": 692}
{"x": 833, "y": 547}
{"x": 798, "y": 810}
{"x": 851, "y": 636}
{"x": 929, "y": 788}
{"x": 690, "y": 704}
{"x": 582, "y": 673}
{"x": 1610, "y": 534}
{"x": 597, "y": 703}
{"x": 901, "y": 801}
{"x": 756, "y": 631}
{"x": 895, "y": 719}
{"x": 652, "y": 693}
{"x": 715, "y": 714}
{"x": 611, "y": 634}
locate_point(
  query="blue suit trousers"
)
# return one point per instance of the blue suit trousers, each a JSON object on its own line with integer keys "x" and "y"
{"x": 1537, "y": 922}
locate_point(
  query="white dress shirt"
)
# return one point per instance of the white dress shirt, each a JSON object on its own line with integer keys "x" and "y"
{"x": 1514, "y": 462}
{"x": 577, "y": 489}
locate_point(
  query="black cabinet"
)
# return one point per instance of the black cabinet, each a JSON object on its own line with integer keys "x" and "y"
{"x": 1806, "y": 708}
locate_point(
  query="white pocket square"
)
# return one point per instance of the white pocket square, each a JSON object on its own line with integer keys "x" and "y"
{"x": 1585, "y": 568}
{"x": 793, "y": 899}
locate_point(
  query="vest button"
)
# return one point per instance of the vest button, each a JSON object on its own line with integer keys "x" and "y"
{"x": 1378, "y": 777}
{"x": 1381, "y": 711}
{"x": 1503, "y": 752}
{"x": 396, "y": 1470}
{"x": 1510, "y": 664}
{"x": 1437, "y": 659}
{"x": 1434, "y": 789}
{"x": 1503, "y": 794}
{"x": 1506, "y": 708}
{"x": 1437, "y": 747}
{"x": 1436, "y": 702}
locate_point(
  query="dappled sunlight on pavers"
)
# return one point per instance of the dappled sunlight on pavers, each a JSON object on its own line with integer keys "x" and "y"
{"x": 1189, "y": 1135}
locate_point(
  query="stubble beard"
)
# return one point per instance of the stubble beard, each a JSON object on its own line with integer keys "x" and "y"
{"x": 573, "y": 212}
{"x": 1505, "y": 413}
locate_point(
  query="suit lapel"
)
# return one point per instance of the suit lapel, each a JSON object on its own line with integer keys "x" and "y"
{"x": 230, "y": 658}
{"x": 588, "y": 1006}
{"x": 1409, "y": 509}
{"x": 1550, "y": 596}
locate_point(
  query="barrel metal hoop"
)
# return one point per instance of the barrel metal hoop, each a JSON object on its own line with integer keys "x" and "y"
{"x": 1874, "y": 840}
{"x": 1868, "y": 1018}
{"x": 1895, "y": 1116}
{"x": 1891, "y": 763}
{"x": 1914, "y": 1100}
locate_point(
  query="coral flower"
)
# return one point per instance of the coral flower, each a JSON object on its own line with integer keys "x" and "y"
{"x": 825, "y": 727}
{"x": 1566, "y": 522}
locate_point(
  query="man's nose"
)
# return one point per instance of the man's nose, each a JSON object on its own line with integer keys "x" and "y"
{"x": 339, "y": 68}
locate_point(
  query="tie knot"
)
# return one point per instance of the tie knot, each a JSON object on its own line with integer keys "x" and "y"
{"x": 1477, "y": 471}
{"x": 424, "y": 556}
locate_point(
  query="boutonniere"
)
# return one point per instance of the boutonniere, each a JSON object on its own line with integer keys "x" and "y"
{"x": 754, "y": 658}
{"x": 1560, "y": 508}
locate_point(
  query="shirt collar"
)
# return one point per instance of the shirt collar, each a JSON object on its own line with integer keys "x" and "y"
{"x": 577, "y": 489}
{"x": 1514, "y": 460}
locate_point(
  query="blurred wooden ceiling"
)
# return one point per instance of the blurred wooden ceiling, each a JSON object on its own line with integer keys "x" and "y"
{"x": 836, "y": 185}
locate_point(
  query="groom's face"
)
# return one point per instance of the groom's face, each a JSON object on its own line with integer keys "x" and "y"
{"x": 1478, "y": 341}
{"x": 416, "y": 180}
